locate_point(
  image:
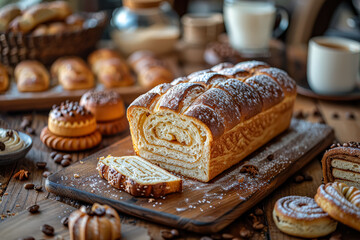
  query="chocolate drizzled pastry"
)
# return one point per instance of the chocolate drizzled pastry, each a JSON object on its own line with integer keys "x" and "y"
{"x": 342, "y": 163}
{"x": 70, "y": 111}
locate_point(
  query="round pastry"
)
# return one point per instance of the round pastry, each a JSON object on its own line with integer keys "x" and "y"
{"x": 302, "y": 217}
{"x": 138, "y": 56}
{"x": 4, "y": 79}
{"x": 106, "y": 105}
{"x": 69, "y": 143}
{"x": 99, "y": 222}
{"x": 341, "y": 202}
{"x": 155, "y": 75}
{"x": 113, "y": 72}
{"x": 71, "y": 120}
{"x": 31, "y": 76}
{"x": 72, "y": 73}
{"x": 102, "y": 54}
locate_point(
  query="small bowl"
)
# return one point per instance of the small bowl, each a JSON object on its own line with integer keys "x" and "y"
{"x": 13, "y": 156}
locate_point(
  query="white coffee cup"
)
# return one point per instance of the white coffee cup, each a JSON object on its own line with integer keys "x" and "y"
{"x": 333, "y": 65}
{"x": 250, "y": 23}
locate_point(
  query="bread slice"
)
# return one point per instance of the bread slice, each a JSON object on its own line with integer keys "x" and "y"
{"x": 137, "y": 176}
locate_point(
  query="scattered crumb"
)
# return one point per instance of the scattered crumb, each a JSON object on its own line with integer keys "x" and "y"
{"x": 81, "y": 162}
{"x": 5, "y": 194}
{"x": 76, "y": 175}
{"x": 151, "y": 200}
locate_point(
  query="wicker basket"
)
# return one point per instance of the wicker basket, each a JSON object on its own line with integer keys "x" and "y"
{"x": 15, "y": 47}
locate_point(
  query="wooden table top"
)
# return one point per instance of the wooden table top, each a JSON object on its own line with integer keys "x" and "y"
{"x": 14, "y": 198}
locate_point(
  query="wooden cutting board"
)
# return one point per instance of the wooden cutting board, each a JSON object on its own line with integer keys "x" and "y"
{"x": 51, "y": 212}
{"x": 201, "y": 207}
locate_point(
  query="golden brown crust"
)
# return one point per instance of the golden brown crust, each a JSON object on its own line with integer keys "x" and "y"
{"x": 69, "y": 143}
{"x": 113, "y": 127}
{"x": 101, "y": 222}
{"x": 341, "y": 202}
{"x": 7, "y": 14}
{"x": 123, "y": 182}
{"x": 102, "y": 54}
{"x": 72, "y": 73}
{"x": 31, "y": 76}
{"x": 4, "y": 78}
{"x": 41, "y": 13}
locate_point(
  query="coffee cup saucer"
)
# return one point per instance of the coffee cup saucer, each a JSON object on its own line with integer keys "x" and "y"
{"x": 304, "y": 89}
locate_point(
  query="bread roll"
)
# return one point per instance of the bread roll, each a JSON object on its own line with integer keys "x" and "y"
{"x": 41, "y": 13}
{"x": 4, "y": 78}
{"x": 7, "y": 14}
{"x": 202, "y": 125}
{"x": 31, "y": 76}
{"x": 110, "y": 69}
{"x": 150, "y": 70}
{"x": 72, "y": 73}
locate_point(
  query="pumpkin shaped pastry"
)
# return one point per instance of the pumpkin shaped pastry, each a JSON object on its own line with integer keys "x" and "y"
{"x": 99, "y": 222}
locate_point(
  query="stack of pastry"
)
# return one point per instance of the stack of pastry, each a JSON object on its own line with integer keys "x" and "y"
{"x": 72, "y": 73}
{"x": 342, "y": 164}
{"x": 108, "y": 109}
{"x": 150, "y": 70}
{"x": 70, "y": 128}
{"x": 110, "y": 69}
{"x": 31, "y": 76}
{"x": 40, "y": 19}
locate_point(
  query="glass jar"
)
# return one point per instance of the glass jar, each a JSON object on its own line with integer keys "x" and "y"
{"x": 145, "y": 25}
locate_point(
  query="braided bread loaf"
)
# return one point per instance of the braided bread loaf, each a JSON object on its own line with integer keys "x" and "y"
{"x": 204, "y": 123}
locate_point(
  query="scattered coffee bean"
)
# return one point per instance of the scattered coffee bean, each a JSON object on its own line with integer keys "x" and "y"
{"x": 307, "y": 177}
{"x": 53, "y": 154}
{"x": 322, "y": 121}
{"x": 9, "y": 133}
{"x": 251, "y": 169}
{"x": 65, "y": 221}
{"x": 47, "y": 230}
{"x": 65, "y": 162}
{"x": 29, "y": 186}
{"x": 316, "y": 113}
{"x": 216, "y": 236}
{"x": 206, "y": 238}
{"x": 30, "y": 131}
{"x": 99, "y": 211}
{"x": 270, "y": 157}
{"x": 67, "y": 156}
{"x": 299, "y": 179}
{"x": 174, "y": 232}
{"x": 26, "y": 238}
{"x": 2, "y": 146}
{"x": 38, "y": 188}
{"x": 335, "y": 115}
{"x": 259, "y": 212}
{"x": 336, "y": 236}
{"x": 41, "y": 165}
{"x": 166, "y": 234}
{"x": 46, "y": 174}
{"x": 33, "y": 208}
{"x": 245, "y": 233}
{"x": 258, "y": 225}
{"x": 300, "y": 114}
{"x": 350, "y": 115}
{"x": 227, "y": 236}
{"x": 58, "y": 158}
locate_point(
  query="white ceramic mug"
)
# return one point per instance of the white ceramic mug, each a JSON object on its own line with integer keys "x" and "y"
{"x": 333, "y": 65}
{"x": 250, "y": 23}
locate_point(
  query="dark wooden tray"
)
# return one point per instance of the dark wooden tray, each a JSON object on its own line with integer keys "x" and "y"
{"x": 201, "y": 207}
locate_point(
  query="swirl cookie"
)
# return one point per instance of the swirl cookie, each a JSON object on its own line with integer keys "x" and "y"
{"x": 302, "y": 217}
{"x": 341, "y": 202}
{"x": 108, "y": 108}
